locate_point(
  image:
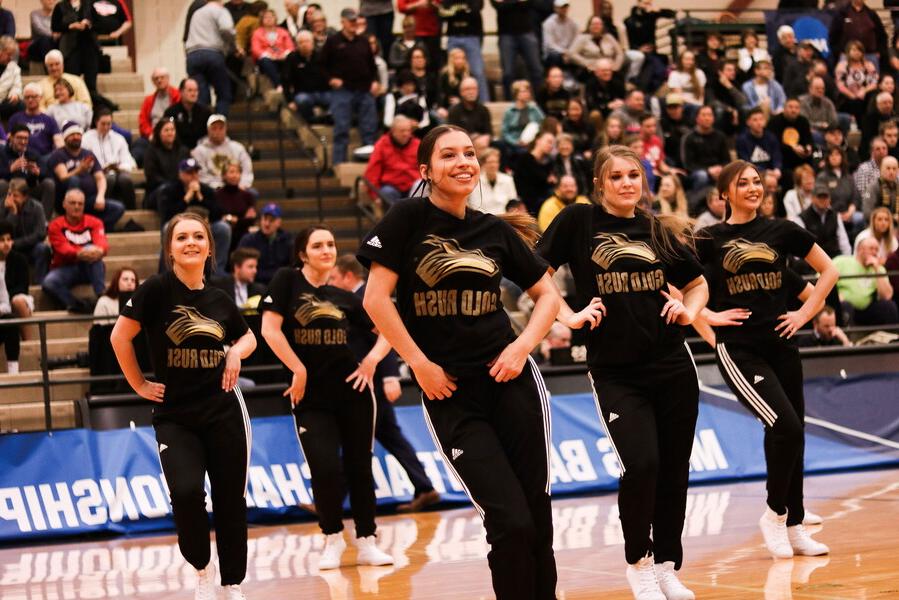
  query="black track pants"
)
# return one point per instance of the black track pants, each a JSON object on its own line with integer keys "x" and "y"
{"x": 336, "y": 431}
{"x": 208, "y": 436}
{"x": 649, "y": 415}
{"x": 495, "y": 438}
{"x": 767, "y": 378}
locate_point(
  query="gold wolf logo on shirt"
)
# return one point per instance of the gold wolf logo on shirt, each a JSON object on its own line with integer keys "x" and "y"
{"x": 448, "y": 257}
{"x": 740, "y": 251}
{"x": 312, "y": 308}
{"x": 191, "y": 323}
{"x": 613, "y": 246}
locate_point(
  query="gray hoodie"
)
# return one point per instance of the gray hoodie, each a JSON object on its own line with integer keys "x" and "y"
{"x": 213, "y": 160}
{"x": 211, "y": 28}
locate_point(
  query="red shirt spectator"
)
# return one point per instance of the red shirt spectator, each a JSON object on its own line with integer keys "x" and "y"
{"x": 426, "y": 22}
{"x": 67, "y": 239}
{"x": 393, "y": 165}
{"x": 161, "y": 99}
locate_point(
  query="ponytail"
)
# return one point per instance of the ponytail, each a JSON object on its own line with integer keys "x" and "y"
{"x": 525, "y": 227}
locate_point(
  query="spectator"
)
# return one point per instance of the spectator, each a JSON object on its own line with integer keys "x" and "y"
{"x": 867, "y": 300}
{"x": 671, "y": 199}
{"x": 595, "y": 43}
{"x": 190, "y": 116}
{"x": 883, "y": 112}
{"x": 121, "y": 287}
{"x": 45, "y": 135}
{"x": 350, "y": 67}
{"x": 581, "y": 130}
{"x": 42, "y": 40}
{"x": 305, "y": 83}
{"x": 53, "y": 61}
{"x": 800, "y": 196}
{"x": 566, "y": 193}
{"x": 408, "y": 102}
{"x": 75, "y": 167}
{"x": 111, "y": 20}
{"x": 275, "y": 245}
{"x": 635, "y": 143}
{"x": 795, "y": 135}
{"x": 521, "y": 121}
{"x": 217, "y": 150}
{"x": 709, "y": 61}
{"x": 749, "y": 53}
{"x": 570, "y": 164}
{"x": 768, "y": 207}
{"x": 393, "y": 166}
{"x": 152, "y": 110}
{"x": 675, "y": 127}
{"x": 67, "y": 109}
{"x": 18, "y": 161}
{"x": 319, "y": 28}
{"x": 401, "y": 49}
{"x": 208, "y": 42}
{"x": 559, "y": 32}
{"x": 534, "y": 176}
{"x": 79, "y": 245}
{"x": 293, "y": 21}
{"x": 764, "y": 92}
{"x": 758, "y": 145}
{"x": 818, "y": 109}
{"x": 612, "y": 133}
{"x": 427, "y": 28}
{"x": 824, "y": 222}
{"x": 882, "y": 229}
{"x": 72, "y": 22}
{"x": 726, "y": 97}
{"x": 241, "y": 285}
{"x": 797, "y": 76}
{"x": 704, "y": 150}
{"x": 464, "y": 31}
{"x": 631, "y": 111}
{"x": 604, "y": 92}
{"x": 517, "y": 38}
{"x": 425, "y": 79}
{"x": 451, "y": 76}
{"x": 189, "y": 193}
{"x": 28, "y": 221}
{"x": 843, "y": 193}
{"x": 238, "y": 9}
{"x": 472, "y": 115}
{"x": 714, "y": 212}
{"x": 641, "y": 25}
{"x": 495, "y": 188}
{"x": 244, "y": 26}
{"x": 163, "y": 157}
{"x": 687, "y": 80}
{"x": 834, "y": 138}
{"x": 856, "y": 77}
{"x": 15, "y": 303}
{"x": 883, "y": 191}
{"x": 854, "y": 21}
{"x": 889, "y": 131}
{"x": 10, "y": 79}
{"x": 785, "y": 52}
{"x": 824, "y": 331}
{"x": 654, "y": 147}
{"x": 111, "y": 151}
{"x": 869, "y": 171}
{"x": 270, "y": 45}
{"x": 379, "y": 17}
{"x": 238, "y": 204}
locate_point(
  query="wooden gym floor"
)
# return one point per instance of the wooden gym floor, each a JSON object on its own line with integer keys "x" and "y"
{"x": 442, "y": 554}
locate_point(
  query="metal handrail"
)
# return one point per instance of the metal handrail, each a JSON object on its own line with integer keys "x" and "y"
{"x": 364, "y": 209}
{"x": 321, "y": 166}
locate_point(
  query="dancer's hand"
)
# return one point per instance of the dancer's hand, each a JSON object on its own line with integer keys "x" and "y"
{"x": 790, "y": 323}
{"x": 434, "y": 381}
{"x": 363, "y": 376}
{"x": 730, "y": 317}
{"x": 593, "y": 314}
{"x": 297, "y": 388}
{"x": 508, "y": 365}
{"x": 232, "y": 370}
{"x": 150, "y": 390}
{"x": 674, "y": 311}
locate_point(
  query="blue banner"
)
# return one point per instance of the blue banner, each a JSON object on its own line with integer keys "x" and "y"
{"x": 80, "y": 481}
{"x": 811, "y": 25}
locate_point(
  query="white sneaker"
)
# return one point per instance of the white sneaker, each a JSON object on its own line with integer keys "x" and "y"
{"x": 205, "y": 583}
{"x": 233, "y": 592}
{"x": 803, "y": 544}
{"x": 334, "y": 547}
{"x": 811, "y": 518}
{"x": 642, "y": 579}
{"x": 774, "y": 530}
{"x": 670, "y": 584}
{"x": 370, "y": 554}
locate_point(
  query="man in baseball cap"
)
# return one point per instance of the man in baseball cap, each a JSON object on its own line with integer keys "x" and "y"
{"x": 822, "y": 220}
{"x": 275, "y": 245}
{"x": 74, "y": 167}
{"x": 217, "y": 150}
{"x": 559, "y": 31}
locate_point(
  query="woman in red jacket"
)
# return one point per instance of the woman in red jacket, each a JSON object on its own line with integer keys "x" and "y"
{"x": 270, "y": 45}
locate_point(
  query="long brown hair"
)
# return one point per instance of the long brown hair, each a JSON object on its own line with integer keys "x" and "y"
{"x": 524, "y": 225}
{"x": 664, "y": 231}
{"x": 729, "y": 173}
{"x": 302, "y": 240}
{"x": 112, "y": 290}
{"x": 170, "y": 232}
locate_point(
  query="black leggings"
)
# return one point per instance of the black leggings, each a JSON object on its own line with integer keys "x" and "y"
{"x": 649, "y": 415}
{"x": 336, "y": 430}
{"x": 495, "y": 438}
{"x": 9, "y": 338}
{"x": 767, "y": 379}
{"x": 210, "y": 435}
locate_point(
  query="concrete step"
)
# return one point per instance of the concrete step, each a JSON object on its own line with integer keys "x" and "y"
{"x": 128, "y": 100}
{"x": 58, "y": 330}
{"x": 30, "y": 357}
{"x": 148, "y": 219}
{"x": 58, "y": 393}
{"x": 135, "y": 242}
{"x": 110, "y": 83}
{"x": 343, "y": 224}
{"x": 30, "y": 416}
{"x": 144, "y": 264}
{"x": 116, "y": 52}
{"x": 44, "y": 303}
{"x": 122, "y": 65}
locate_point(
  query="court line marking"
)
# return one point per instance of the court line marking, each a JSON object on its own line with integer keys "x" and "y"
{"x": 814, "y": 421}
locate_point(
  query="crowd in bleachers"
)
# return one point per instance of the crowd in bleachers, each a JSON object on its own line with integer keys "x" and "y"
{"x": 571, "y": 87}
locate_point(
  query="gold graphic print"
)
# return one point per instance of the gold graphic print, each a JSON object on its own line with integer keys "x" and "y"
{"x": 740, "y": 251}
{"x": 613, "y": 246}
{"x": 448, "y": 257}
{"x": 312, "y": 308}
{"x": 191, "y": 323}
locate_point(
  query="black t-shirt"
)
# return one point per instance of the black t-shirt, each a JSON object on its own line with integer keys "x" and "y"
{"x": 746, "y": 265}
{"x": 449, "y": 269}
{"x": 187, "y": 330}
{"x": 317, "y": 323}
{"x": 611, "y": 257}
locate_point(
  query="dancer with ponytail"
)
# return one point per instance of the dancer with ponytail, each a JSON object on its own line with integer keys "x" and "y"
{"x": 484, "y": 400}
{"x": 625, "y": 262}
{"x": 746, "y": 260}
